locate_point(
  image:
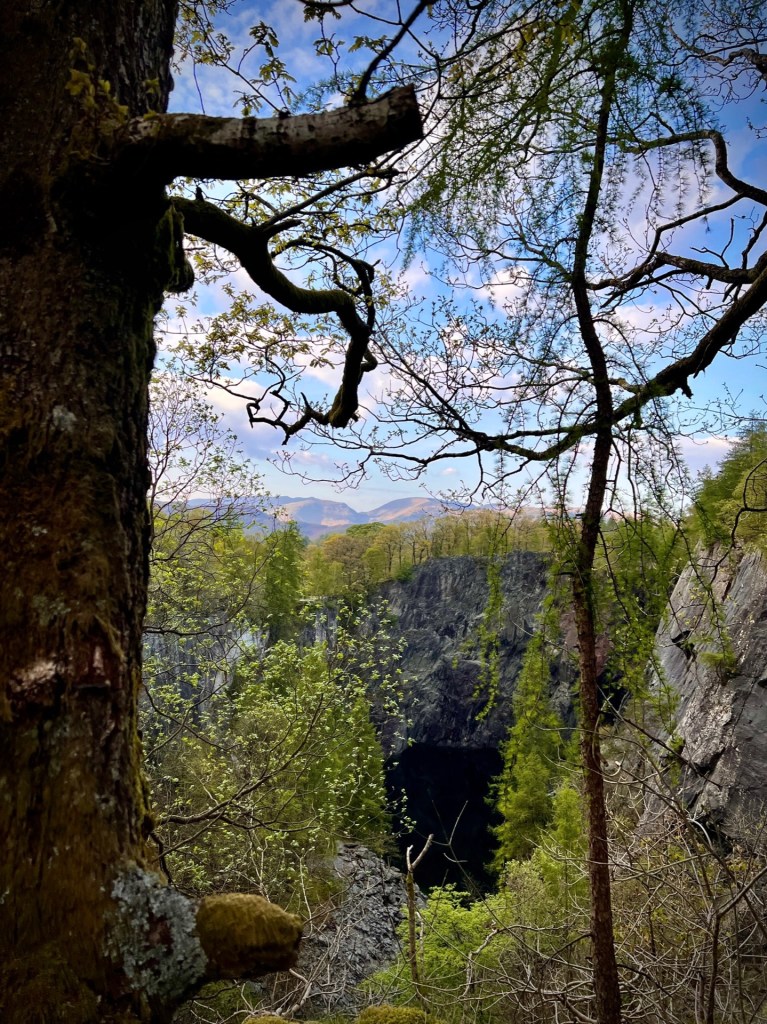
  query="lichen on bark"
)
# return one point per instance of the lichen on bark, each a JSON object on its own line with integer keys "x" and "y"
{"x": 153, "y": 937}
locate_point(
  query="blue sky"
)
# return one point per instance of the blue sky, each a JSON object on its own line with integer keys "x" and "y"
{"x": 211, "y": 89}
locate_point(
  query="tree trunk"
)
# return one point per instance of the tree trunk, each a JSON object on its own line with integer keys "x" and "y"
{"x": 89, "y": 244}
{"x": 607, "y": 996}
{"x": 87, "y": 933}
{"x": 607, "y": 993}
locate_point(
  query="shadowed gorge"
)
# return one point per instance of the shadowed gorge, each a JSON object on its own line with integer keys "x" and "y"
{"x": 448, "y": 795}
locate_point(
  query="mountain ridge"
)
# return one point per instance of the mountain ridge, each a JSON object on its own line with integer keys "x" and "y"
{"x": 317, "y": 516}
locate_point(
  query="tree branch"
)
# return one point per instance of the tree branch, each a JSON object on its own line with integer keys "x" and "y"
{"x": 250, "y": 244}
{"x": 745, "y": 189}
{"x": 359, "y": 94}
{"x": 675, "y": 376}
{"x": 197, "y": 146}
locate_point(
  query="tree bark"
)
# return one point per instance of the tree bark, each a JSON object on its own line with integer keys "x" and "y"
{"x": 607, "y": 995}
{"x": 197, "y": 146}
{"x": 87, "y": 932}
{"x": 78, "y": 296}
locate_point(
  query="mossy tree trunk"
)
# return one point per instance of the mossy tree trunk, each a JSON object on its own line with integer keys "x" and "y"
{"x": 86, "y": 932}
{"x": 78, "y": 298}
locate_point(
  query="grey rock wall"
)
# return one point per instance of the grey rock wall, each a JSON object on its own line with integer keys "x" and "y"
{"x": 349, "y": 937}
{"x": 446, "y": 752}
{"x": 359, "y": 932}
{"x": 712, "y": 652}
{"x": 438, "y": 613}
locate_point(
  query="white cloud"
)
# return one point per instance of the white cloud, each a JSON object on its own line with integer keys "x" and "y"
{"x": 415, "y": 278}
{"x": 704, "y": 452}
{"x": 508, "y": 285}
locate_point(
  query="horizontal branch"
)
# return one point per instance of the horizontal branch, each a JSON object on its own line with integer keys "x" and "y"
{"x": 745, "y": 189}
{"x": 229, "y": 148}
{"x": 687, "y": 267}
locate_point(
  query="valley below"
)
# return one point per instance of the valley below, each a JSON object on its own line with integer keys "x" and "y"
{"x": 686, "y": 756}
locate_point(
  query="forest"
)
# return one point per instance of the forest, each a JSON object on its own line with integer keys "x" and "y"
{"x": 510, "y": 252}
{"x": 271, "y": 667}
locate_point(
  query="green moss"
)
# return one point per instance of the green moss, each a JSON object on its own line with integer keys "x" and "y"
{"x": 268, "y": 1018}
{"x": 43, "y": 989}
{"x": 244, "y": 936}
{"x": 387, "y": 1014}
{"x": 173, "y": 267}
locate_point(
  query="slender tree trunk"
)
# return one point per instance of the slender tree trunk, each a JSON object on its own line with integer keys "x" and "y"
{"x": 412, "y": 913}
{"x": 606, "y": 980}
{"x": 607, "y": 994}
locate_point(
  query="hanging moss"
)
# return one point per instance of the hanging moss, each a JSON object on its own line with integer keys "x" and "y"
{"x": 174, "y": 268}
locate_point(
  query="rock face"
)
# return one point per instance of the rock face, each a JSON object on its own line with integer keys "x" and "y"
{"x": 354, "y": 934}
{"x": 712, "y": 650}
{"x": 449, "y": 750}
{"x": 711, "y": 654}
{"x": 439, "y": 612}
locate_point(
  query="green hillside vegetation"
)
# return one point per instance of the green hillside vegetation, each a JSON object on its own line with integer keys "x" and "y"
{"x": 677, "y": 892}
{"x": 731, "y": 503}
{"x": 258, "y": 775}
{"x": 349, "y": 564}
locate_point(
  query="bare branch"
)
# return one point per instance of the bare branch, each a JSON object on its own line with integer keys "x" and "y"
{"x": 250, "y": 244}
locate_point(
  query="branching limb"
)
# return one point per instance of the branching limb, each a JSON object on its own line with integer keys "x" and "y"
{"x": 675, "y": 377}
{"x": 745, "y": 189}
{"x": 250, "y": 244}
{"x": 359, "y": 95}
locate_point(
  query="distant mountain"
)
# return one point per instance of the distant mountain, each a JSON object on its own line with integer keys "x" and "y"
{"x": 316, "y": 513}
{"x": 403, "y": 510}
{"x": 316, "y": 516}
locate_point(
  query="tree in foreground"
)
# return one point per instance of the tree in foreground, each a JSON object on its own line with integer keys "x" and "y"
{"x": 90, "y": 243}
{"x": 580, "y": 172}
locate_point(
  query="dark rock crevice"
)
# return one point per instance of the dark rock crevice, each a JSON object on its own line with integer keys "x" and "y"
{"x": 445, "y": 751}
{"x": 448, "y": 796}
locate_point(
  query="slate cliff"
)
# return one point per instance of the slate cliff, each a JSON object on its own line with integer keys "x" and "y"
{"x": 449, "y": 751}
{"x": 712, "y": 653}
